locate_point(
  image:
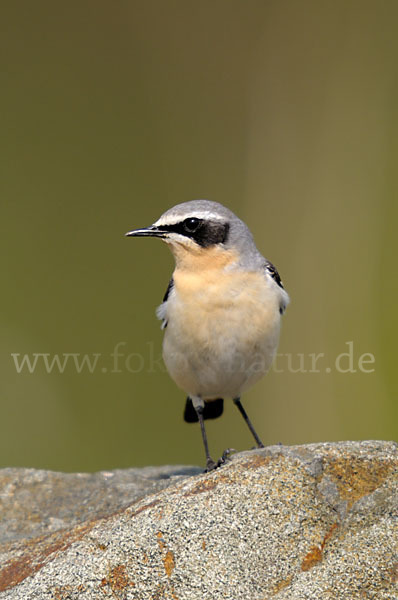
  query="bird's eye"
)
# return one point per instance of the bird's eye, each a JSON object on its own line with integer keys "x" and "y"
{"x": 191, "y": 224}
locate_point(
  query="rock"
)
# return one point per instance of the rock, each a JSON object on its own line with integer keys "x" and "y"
{"x": 301, "y": 522}
{"x": 36, "y": 502}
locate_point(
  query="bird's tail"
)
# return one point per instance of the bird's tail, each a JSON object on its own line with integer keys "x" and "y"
{"x": 212, "y": 410}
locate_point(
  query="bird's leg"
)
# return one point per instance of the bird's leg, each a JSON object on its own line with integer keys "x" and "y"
{"x": 249, "y": 424}
{"x": 199, "y": 405}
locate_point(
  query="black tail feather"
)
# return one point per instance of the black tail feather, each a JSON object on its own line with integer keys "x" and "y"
{"x": 212, "y": 410}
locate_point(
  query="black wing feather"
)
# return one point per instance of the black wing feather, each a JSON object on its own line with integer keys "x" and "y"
{"x": 169, "y": 288}
{"x": 165, "y": 298}
{"x": 271, "y": 269}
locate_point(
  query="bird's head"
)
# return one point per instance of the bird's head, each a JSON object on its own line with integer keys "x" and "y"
{"x": 202, "y": 232}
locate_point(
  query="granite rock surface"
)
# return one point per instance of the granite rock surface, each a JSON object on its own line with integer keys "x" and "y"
{"x": 299, "y": 522}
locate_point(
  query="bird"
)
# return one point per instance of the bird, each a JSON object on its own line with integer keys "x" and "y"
{"x": 221, "y": 312}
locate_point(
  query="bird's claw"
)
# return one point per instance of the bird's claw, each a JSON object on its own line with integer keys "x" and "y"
{"x": 225, "y": 456}
{"x": 211, "y": 464}
{"x": 258, "y": 447}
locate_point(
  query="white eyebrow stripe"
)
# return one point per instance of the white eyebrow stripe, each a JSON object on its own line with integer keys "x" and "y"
{"x": 174, "y": 219}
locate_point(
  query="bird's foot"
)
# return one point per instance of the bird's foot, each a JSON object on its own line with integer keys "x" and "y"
{"x": 225, "y": 456}
{"x": 211, "y": 464}
{"x": 260, "y": 445}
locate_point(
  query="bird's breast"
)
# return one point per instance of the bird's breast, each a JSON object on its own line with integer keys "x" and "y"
{"x": 221, "y": 303}
{"x": 221, "y": 326}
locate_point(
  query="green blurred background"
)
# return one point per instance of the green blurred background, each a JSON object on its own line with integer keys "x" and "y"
{"x": 111, "y": 112}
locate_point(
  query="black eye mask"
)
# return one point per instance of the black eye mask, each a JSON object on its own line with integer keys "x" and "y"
{"x": 204, "y": 233}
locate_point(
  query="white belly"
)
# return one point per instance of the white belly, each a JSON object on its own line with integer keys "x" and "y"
{"x": 220, "y": 340}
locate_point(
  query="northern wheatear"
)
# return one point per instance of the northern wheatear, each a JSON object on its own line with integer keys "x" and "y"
{"x": 221, "y": 311}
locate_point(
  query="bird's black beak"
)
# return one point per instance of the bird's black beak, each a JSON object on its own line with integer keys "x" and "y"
{"x": 151, "y": 231}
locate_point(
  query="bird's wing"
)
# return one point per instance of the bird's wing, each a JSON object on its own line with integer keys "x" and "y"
{"x": 272, "y": 272}
{"x": 169, "y": 288}
{"x": 161, "y": 310}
